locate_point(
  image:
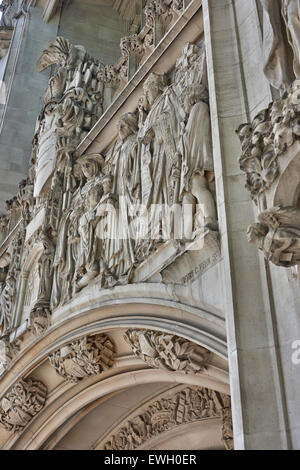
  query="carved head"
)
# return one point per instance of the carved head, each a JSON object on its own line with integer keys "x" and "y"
{"x": 193, "y": 94}
{"x": 256, "y": 233}
{"x": 91, "y": 165}
{"x": 154, "y": 86}
{"x": 128, "y": 124}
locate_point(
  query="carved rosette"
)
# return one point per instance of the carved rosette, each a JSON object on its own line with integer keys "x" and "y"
{"x": 168, "y": 352}
{"x": 24, "y": 401}
{"x": 90, "y": 355}
{"x": 164, "y": 414}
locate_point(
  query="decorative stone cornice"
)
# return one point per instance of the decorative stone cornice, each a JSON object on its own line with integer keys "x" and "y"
{"x": 25, "y": 400}
{"x": 87, "y": 356}
{"x": 165, "y": 351}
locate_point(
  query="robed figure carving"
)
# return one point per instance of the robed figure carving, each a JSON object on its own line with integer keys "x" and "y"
{"x": 281, "y": 41}
{"x": 123, "y": 162}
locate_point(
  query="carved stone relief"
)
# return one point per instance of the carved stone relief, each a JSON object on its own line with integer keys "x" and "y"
{"x": 100, "y": 218}
{"x": 87, "y": 356}
{"x": 169, "y": 352}
{"x": 188, "y": 405}
{"x": 24, "y": 401}
{"x": 265, "y": 144}
{"x": 12, "y": 10}
{"x": 281, "y": 42}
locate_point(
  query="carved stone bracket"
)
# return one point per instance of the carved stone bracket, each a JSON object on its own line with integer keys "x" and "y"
{"x": 40, "y": 319}
{"x": 87, "y": 356}
{"x": 24, "y": 401}
{"x": 167, "y": 352}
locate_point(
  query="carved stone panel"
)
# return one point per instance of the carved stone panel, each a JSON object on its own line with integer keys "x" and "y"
{"x": 87, "y": 356}
{"x": 166, "y": 351}
{"x": 24, "y": 401}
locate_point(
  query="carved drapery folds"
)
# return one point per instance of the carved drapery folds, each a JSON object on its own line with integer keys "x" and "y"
{"x": 270, "y": 149}
{"x": 24, "y": 401}
{"x": 87, "y": 356}
{"x": 167, "y": 352}
{"x": 188, "y": 405}
{"x": 108, "y": 218}
{"x": 281, "y": 42}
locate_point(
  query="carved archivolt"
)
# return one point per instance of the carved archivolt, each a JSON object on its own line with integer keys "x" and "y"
{"x": 165, "y": 351}
{"x": 87, "y": 356}
{"x": 25, "y": 400}
{"x": 164, "y": 414}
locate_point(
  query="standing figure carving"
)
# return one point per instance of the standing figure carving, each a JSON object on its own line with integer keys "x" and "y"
{"x": 197, "y": 158}
{"x": 281, "y": 41}
{"x": 123, "y": 162}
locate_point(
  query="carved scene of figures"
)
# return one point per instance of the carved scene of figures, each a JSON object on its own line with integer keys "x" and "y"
{"x": 98, "y": 217}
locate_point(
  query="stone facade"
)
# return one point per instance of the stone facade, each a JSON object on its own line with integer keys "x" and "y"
{"x": 124, "y": 253}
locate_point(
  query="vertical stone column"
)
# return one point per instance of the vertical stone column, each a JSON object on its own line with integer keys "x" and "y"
{"x": 238, "y": 90}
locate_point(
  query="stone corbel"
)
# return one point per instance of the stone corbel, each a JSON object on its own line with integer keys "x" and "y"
{"x": 40, "y": 319}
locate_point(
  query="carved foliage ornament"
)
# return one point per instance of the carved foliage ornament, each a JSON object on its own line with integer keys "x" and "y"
{"x": 21, "y": 404}
{"x": 164, "y": 414}
{"x": 87, "y": 356}
{"x": 168, "y": 352}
